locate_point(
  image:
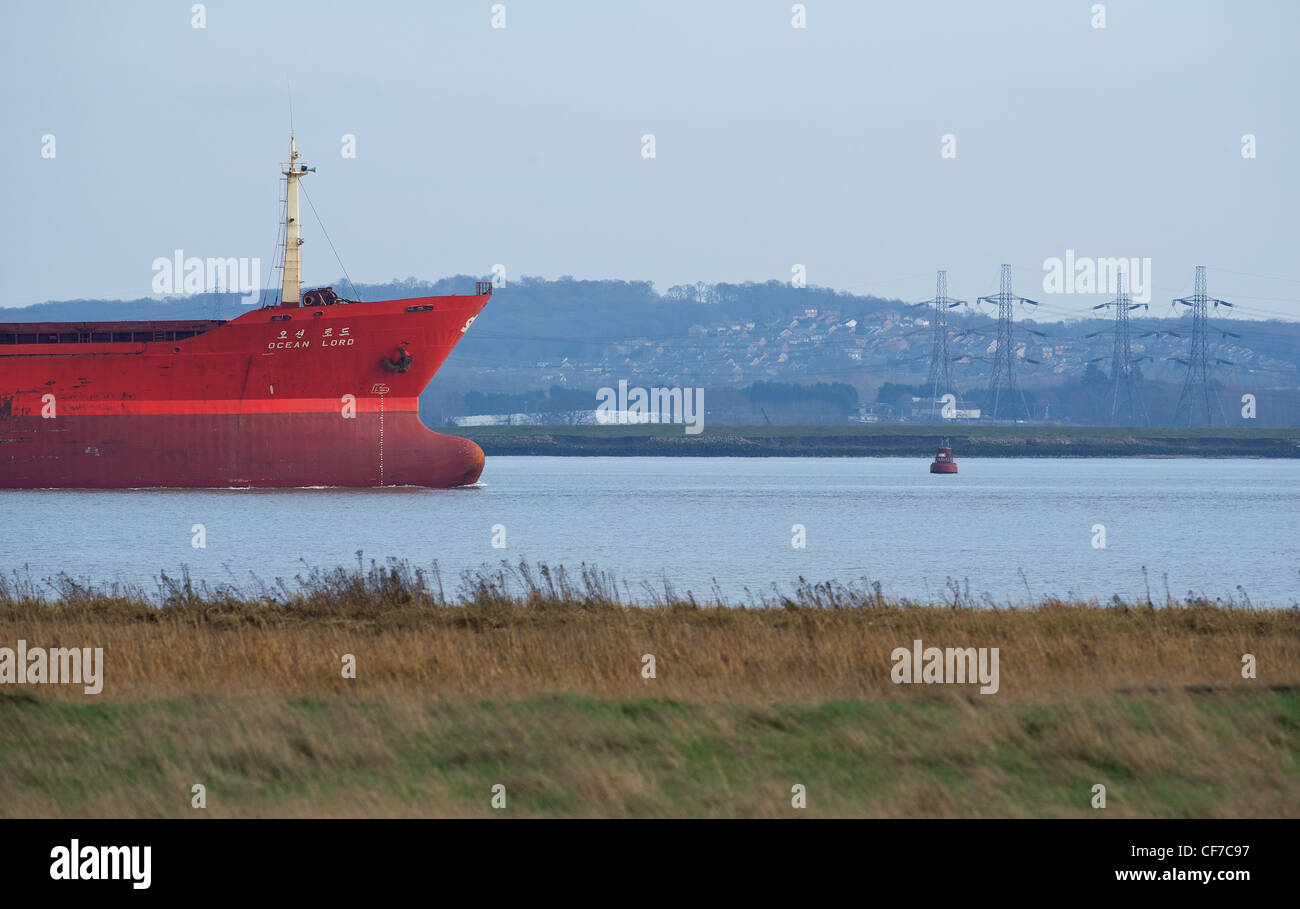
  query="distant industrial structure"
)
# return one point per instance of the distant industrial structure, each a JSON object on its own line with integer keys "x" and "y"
{"x": 1198, "y": 403}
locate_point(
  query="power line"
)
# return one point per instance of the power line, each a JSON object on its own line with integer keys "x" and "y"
{"x": 1247, "y": 274}
{"x": 355, "y": 295}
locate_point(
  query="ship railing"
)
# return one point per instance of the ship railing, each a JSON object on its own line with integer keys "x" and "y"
{"x": 98, "y": 336}
{"x": 483, "y": 287}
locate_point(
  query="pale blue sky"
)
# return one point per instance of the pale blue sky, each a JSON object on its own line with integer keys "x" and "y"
{"x": 775, "y": 146}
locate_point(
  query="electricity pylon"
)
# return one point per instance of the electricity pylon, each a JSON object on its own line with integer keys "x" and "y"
{"x": 1003, "y": 388}
{"x": 1123, "y": 365}
{"x": 1198, "y": 393}
{"x": 941, "y": 381}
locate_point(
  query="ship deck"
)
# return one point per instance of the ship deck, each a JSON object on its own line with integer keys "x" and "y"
{"x": 103, "y": 332}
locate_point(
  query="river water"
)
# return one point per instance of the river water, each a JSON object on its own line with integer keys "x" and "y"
{"x": 1004, "y": 530}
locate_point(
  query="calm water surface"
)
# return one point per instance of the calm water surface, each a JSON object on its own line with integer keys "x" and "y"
{"x": 1011, "y": 529}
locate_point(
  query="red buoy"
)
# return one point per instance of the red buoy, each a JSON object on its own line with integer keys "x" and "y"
{"x": 943, "y": 462}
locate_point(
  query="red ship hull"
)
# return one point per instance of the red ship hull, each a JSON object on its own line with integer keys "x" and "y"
{"x": 278, "y": 397}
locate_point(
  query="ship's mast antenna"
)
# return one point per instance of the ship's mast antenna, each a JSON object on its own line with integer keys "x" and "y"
{"x": 291, "y": 287}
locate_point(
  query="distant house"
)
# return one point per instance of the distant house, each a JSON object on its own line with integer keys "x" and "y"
{"x": 873, "y": 413}
{"x": 928, "y": 408}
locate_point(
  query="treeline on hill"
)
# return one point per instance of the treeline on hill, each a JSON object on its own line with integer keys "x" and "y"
{"x": 1086, "y": 399}
{"x": 761, "y": 402}
{"x": 552, "y": 400}
{"x": 1089, "y": 399}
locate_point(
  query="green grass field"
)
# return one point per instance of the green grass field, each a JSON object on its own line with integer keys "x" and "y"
{"x": 1168, "y": 755}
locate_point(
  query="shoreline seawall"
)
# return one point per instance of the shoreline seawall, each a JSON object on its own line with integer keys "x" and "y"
{"x": 877, "y": 441}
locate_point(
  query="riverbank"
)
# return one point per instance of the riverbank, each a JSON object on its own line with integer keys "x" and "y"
{"x": 883, "y": 441}
{"x": 376, "y": 694}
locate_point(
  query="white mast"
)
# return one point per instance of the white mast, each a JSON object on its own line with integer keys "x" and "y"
{"x": 291, "y": 288}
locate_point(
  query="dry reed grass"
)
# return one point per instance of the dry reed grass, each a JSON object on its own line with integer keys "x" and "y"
{"x": 524, "y": 631}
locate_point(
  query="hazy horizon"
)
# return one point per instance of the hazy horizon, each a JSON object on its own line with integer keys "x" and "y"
{"x": 774, "y": 146}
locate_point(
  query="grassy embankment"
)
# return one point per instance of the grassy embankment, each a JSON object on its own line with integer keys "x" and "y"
{"x": 883, "y": 440}
{"x": 536, "y": 684}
